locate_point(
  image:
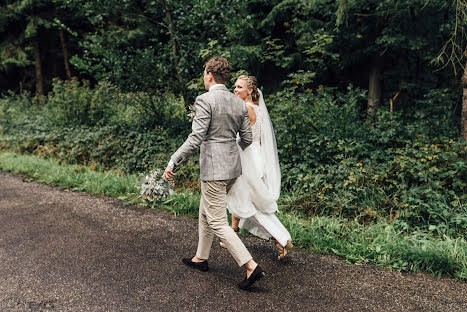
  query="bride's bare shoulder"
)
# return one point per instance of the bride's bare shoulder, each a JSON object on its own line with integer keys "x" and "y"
{"x": 251, "y": 114}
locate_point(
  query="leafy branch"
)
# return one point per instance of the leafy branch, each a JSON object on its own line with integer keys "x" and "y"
{"x": 454, "y": 48}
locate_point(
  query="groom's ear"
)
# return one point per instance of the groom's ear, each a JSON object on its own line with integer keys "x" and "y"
{"x": 210, "y": 76}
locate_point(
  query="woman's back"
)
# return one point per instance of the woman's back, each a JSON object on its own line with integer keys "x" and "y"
{"x": 256, "y": 127}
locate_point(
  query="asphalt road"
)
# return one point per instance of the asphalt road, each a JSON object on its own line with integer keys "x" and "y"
{"x": 67, "y": 251}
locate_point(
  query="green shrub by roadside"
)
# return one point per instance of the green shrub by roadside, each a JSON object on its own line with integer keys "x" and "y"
{"x": 422, "y": 186}
{"x": 334, "y": 160}
{"x": 391, "y": 167}
{"x": 380, "y": 243}
{"x": 101, "y": 127}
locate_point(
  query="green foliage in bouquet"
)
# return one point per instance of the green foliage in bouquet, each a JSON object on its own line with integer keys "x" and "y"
{"x": 154, "y": 188}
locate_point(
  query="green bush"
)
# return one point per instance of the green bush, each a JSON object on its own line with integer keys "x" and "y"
{"x": 99, "y": 127}
{"x": 337, "y": 162}
{"x": 334, "y": 160}
{"x": 422, "y": 186}
{"x": 107, "y": 147}
{"x": 76, "y": 103}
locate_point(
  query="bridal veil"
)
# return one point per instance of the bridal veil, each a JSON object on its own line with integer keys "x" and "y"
{"x": 272, "y": 172}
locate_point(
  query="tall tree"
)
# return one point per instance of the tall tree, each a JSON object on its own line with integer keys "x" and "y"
{"x": 30, "y": 38}
{"x": 175, "y": 53}
{"x": 390, "y": 30}
{"x": 61, "y": 33}
{"x": 151, "y": 46}
{"x": 454, "y": 53}
{"x": 38, "y": 65}
{"x": 464, "y": 101}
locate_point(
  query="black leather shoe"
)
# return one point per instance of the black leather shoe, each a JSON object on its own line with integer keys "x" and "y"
{"x": 257, "y": 274}
{"x": 202, "y": 266}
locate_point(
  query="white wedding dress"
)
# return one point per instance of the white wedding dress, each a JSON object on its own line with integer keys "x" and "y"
{"x": 253, "y": 197}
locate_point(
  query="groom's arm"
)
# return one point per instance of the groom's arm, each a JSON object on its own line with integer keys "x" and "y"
{"x": 246, "y": 136}
{"x": 199, "y": 128}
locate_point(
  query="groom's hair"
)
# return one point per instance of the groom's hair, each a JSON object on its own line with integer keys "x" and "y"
{"x": 220, "y": 69}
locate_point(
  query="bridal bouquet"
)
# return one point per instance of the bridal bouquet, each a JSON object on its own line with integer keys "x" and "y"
{"x": 154, "y": 188}
{"x": 191, "y": 112}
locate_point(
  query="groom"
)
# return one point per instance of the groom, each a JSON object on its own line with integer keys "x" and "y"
{"x": 220, "y": 115}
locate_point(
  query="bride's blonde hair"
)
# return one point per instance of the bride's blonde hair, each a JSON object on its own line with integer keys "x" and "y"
{"x": 252, "y": 83}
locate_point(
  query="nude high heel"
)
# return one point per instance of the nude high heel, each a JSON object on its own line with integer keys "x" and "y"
{"x": 283, "y": 250}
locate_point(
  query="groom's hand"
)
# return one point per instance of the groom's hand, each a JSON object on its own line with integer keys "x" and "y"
{"x": 168, "y": 173}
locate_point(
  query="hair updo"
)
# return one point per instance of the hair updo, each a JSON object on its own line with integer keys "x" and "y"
{"x": 252, "y": 83}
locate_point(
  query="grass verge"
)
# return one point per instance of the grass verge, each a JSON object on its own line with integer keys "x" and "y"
{"x": 378, "y": 243}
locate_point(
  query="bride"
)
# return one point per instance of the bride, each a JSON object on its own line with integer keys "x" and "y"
{"x": 252, "y": 199}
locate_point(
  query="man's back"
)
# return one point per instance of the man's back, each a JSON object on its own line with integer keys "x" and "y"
{"x": 227, "y": 113}
{"x": 220, "y": 115}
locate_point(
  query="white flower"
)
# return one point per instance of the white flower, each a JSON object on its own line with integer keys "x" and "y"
{"x": 154, "y": 188}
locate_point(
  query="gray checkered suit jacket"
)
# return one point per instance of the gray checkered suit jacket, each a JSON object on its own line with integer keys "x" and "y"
{"x": 220, "y": 115}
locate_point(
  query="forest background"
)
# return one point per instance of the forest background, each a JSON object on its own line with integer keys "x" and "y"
{"x": 366, "y": 97}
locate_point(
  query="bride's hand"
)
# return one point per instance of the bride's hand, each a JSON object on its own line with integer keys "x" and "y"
{"x": 168, "y": 173}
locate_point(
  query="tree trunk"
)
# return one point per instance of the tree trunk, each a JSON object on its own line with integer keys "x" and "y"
{"x": 464, "y": 101}
{"x": 38, "y": 67}
{"x": 374, "y": 84}
{"x": 65, "y": 53}
{"x": 175, "y": 55}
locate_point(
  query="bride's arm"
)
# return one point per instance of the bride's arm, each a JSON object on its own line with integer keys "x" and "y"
{"x": 244, "y": 136}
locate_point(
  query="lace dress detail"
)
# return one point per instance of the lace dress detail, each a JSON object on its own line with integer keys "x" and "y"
{"x": 256, "y": 127}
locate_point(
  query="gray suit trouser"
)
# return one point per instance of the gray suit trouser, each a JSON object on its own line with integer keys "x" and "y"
{"x": 213, "y": 220}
